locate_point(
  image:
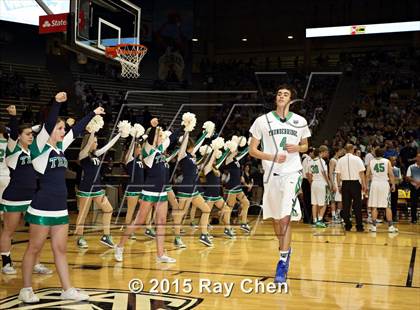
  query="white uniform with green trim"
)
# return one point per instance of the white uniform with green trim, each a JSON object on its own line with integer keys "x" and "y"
{"x": 319, "y": 192}
{"x": 379, "y": 193}
{"x": 281, "y": 181}
{"x": 4, "y": 170}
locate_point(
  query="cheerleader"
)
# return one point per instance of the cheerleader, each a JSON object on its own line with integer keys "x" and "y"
{"x": 188, "y": 193}
{"x": 19, "y": 192}
{"x": 153, "y": 193}
{"x": 134, "y": 165}
{"x": 90, "y": 188}
{"x": 48, "y": 213}
{"x": 4, "y": 170}
{"x": 212, "y": 184}
{"x": 233, "y": 187}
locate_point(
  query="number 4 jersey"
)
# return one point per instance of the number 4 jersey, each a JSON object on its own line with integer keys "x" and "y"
{"x": 274, "y": 133}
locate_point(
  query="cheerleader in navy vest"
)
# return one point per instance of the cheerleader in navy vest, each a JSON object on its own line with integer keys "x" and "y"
{"x": 188, "y": 193}
{"x": 213, "y": 159}
{"x": 48, "y": 212}
{"x": 153, "y": 193}
{"x": 134, "y": 165}
{"x": 18, "y": 194}
{"x": 90, "y": 189}
{"x": 233, "y": 187}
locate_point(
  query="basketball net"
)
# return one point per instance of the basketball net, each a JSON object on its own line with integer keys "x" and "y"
{"x": 129, "y": 56}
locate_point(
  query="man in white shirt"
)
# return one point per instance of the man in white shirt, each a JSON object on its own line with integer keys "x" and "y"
{"x": 413, "y": 176}
{"x": 283, "y": 136}
{"x": 351, "y": 182}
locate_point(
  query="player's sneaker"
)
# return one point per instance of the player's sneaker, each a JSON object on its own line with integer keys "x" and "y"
{"x": 229, "y": 233}
{"x": 246, "y": 228}
{"x": 41, "y": 269}
{"x": 193, "y": 225}
{"x": 372, "y": 228}
{"x": 179, "y": 244}
{"x": 392, "y": 229}
{"x": 165, "y": 259}
{"x": 8, "y": 269}
{"x": 119, "y": 254}
{"x": 150, "y": 232}
{"x": 81, "y": 243}
{"x": 320, "y": 224}
{"x": 74, "y": 294}
{"x": 28, "y": 296}
{"x": 204, "y": 238}
{"x": 107, "y": 241}
{"x": 281, "y": 272}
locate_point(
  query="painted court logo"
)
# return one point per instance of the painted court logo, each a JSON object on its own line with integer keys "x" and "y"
{"x": 105, "y": 299}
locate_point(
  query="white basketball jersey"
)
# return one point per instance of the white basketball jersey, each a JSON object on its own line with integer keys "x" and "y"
{"x": 274, "y": 134}
{"x": 379, "y": 169}
{"x": 4, "y": 170}
{"x": 318, "y": 168}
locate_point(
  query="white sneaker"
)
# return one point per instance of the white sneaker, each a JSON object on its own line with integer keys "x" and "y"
{"x": 165, "y": 259}
{"x": 41, "y": 269}
{"x": 118, "y": 253}
{"x": 28, "y": 296}
{"x": 74, "y": 294}
{"x": 8, "y": 269}
{"x": 392, "y": 229}
{"x": 372, "y": 228}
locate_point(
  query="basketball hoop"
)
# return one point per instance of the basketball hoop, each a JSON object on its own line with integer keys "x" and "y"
{"x": 129, "y": 56}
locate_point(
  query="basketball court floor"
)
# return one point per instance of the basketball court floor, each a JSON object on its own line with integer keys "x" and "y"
{"x": 330, "y": 269}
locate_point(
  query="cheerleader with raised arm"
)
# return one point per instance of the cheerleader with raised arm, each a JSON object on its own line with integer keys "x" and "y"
{"x": 19, "y": 192}
{"x": 48, "y": 213}
{"x": 153, "y": 193}
{"x": 90, "y": 188}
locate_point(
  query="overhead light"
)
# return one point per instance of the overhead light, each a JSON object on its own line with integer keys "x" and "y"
{"x": 244, "y": 39}
{"x": 195, "y": 39}
{"x": 290, "y": 37}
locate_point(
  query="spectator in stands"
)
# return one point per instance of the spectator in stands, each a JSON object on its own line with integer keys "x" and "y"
{"x": 35, "y": 92}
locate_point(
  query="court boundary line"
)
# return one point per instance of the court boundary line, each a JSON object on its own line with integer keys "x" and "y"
{"x": 410, "y": 274}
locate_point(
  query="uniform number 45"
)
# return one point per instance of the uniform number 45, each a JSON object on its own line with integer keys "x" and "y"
{"x": 379, "y": 167}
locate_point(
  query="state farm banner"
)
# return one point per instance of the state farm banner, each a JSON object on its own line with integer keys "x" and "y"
{"x": 53, "y": 23}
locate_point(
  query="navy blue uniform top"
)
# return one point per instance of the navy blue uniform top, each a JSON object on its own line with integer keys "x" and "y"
{"x": 213, "y": 185}
{"x": 92, "y": 174}
{"x": 189, "y": 173}
{"x": 23, "y": 177}
{"x": 135, "y": 170}
{"x": 51, "y": 165}
{"x": 234, "y": 169}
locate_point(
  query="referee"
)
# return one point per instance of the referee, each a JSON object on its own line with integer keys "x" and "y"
{"x": 351, "y": 182}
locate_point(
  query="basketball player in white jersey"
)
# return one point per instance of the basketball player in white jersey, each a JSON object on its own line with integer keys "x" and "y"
{"x": 320, "y": 185}
{"x": 282, "y": 135}
{"x": 380, "y": 172}
{"x": 336, "y": 204}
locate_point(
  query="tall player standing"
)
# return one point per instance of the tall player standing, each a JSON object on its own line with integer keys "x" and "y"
{"x": 283, "y": 136}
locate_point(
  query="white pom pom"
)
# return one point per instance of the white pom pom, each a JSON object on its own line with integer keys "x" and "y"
{"x": 144, "y": 137}
{"x": 249, "y": 140}
{"x": 189, "y": 121}
{"x": 217, "y": 143}
{"x": 232, "y": 146}
{"x": 205, "y": 149}
{"x": 218, "y": 153}
{"x": 124, "y": 128}
{"x": 242, "y": 141}
{"x": 235, "y": 139}
{"x": 95, "y": 124}
{"x": 209, "y": 128}
{"x": 137, "y": 131}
